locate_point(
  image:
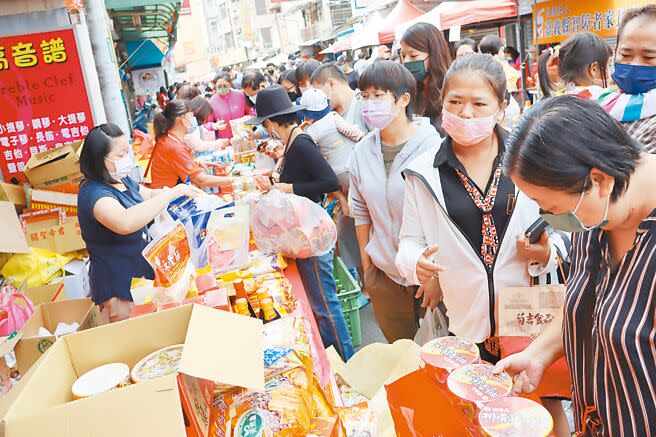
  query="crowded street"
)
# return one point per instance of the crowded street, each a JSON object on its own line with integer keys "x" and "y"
{"x": 327, "y": 218}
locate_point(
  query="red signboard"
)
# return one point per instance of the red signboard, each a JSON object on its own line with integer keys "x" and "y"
{"x": 42, "y": 95}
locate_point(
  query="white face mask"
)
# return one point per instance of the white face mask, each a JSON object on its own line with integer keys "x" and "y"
{"x": 123, "y": 166}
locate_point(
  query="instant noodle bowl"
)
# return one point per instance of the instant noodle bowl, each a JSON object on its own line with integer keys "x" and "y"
{"x": 476, "y": 384}
{"x": 160, "y": 363}
{"x": 445, "y": 354}
{"x": 101, "y": 379}
{"x": 515, "y": 417}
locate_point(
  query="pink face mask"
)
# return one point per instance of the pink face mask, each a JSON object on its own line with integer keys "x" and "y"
{"x": 378, "y": 113}
{"x": 468, "y": 131}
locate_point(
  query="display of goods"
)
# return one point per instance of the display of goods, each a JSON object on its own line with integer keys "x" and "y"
{"x": 476, "y": 384}
{"x": 101, "y": 379}
{"x": 227, "y": 238}
{"x": 160, "y": 363}
{"x": 515, "y": 417}
{"x": 358, "y": 420}
{"x": 445, "y": 354}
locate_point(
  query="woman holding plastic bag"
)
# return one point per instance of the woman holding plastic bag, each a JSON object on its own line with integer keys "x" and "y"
{"x": 303, "y": 171}
{"x": 114, "y": 211}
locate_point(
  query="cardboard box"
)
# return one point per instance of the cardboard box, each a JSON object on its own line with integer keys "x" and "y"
{"x": 54, "y": 197}
{"x": 13, "y": 239}
{"x": 53, "y": 231}
{"x": 45, "y": 294}
{"x": 49, "y": 315}
{"x": 218, "y": 346}
{"x": 14, "y": 194}
{"x": 54, "y": 166}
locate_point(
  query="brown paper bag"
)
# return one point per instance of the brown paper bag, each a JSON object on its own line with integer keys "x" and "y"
{"x": 526, "y": 311}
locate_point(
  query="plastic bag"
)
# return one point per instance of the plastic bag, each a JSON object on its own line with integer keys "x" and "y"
{"x": 227, "y": 239}
{"x": 17, "y": 315}
{"x": 37, "y": 268}
{"x": 291, "y": 225}
{"x": 434, "y": 325}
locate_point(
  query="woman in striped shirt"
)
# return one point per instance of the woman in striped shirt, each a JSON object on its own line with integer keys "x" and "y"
{"x": 582, "y": 168}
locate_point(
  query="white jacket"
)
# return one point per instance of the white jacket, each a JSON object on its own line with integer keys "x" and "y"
{"x": 467, "y": 287}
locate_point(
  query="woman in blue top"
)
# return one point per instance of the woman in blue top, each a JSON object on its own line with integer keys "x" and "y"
{"x": 113, "y": 211}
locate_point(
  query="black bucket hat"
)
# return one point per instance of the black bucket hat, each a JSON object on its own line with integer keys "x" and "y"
{"x": 271, "y": 102}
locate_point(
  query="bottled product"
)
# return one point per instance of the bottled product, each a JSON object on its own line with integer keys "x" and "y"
{"x": 268, "y": 313}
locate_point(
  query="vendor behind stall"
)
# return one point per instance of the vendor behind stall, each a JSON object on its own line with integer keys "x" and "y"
{"x": 172, "y": 161}
{"x": 113, "y": 211}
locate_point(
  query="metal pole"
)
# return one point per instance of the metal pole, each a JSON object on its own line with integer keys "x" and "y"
{"x": 110, "y": 82}
{"x": 519, "y": 32}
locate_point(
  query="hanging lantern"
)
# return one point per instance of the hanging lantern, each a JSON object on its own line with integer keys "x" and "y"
{"x": 74, "y": 5}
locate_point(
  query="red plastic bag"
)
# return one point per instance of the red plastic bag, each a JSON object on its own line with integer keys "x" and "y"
{"x": 16, "y": 315}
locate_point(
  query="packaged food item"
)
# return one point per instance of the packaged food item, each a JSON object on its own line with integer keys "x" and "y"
{"x": 268, "y": 313}
{"x": 358, "y": 420}
{"x": 241, "y": 307}
{"x": 476, "y": 384}
{"x": 101, "y": 379}
{"x": 227, "y": 239}
{"x": 515, "y": 417}
{"x": 205, "y": 279}
{"x": 445, "y": 354}
{"x": 168, "y": 256}
{"x": 160, "y": 363}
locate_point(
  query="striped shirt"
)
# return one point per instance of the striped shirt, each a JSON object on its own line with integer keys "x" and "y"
{"x": 609, "y": 334}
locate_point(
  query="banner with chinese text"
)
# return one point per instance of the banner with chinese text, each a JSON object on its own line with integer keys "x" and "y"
{"x": 42, "y": 95}
{"x": 555, "y": 20}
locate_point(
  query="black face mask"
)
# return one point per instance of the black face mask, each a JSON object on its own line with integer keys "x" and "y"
{"x": 293, "y": 96}
{"x": 271, "y": 71}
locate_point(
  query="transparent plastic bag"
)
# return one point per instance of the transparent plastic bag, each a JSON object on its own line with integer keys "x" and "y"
{"x": 291, "y": 225}
{"x": 227, "y": 238}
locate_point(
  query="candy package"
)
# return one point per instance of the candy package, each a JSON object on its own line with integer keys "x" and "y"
{"x": 291, "y": 225}
{"x": 169, "y": 257}
{"x": 227, "y": 238}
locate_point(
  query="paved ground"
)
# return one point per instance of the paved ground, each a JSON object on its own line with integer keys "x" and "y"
{"x": 370, "y": 331}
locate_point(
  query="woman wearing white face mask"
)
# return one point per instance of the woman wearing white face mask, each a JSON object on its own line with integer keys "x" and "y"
{"x": 376, "y": 193}
{"x": 463, "y": 220}
{"x": 114, "y": 211}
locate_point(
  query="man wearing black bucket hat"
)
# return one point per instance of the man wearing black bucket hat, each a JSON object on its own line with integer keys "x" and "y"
{"x": 302, "y": 170}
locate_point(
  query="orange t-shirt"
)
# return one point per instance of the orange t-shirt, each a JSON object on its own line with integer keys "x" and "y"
{"x": 172, "y": 162}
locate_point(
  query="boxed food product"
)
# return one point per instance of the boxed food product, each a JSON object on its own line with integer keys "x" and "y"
{"x": 477, "y": 384}
{"x": 515, "y": 417}
{"x": 42, "y": 402}
{"x": 445, "y": 354}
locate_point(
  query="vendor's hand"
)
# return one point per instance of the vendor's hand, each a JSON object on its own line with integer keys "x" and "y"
{"x": 274, "y": 149}
{"x": 526, "y": 370}
{"x": 426, "y": 268}
{"x": 432, "y": 293}
{"x": 263, "y": 182}
{"x": 186, "y": 190}
{"x": 285, "y": 188}
{"x": 219, "y": 125}
{"x": 538, "y": 252}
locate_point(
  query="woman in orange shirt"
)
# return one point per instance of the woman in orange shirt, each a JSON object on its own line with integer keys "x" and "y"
{"x": 172, "y": 161}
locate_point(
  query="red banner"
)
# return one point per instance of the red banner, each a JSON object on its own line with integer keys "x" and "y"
{"x": 42, "y": 95}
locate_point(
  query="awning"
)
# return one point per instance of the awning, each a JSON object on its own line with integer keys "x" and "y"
{"x": 462, "y": 13}
{"x": 368, "y": 36}
{"x": 402, "y": 12}
{"x": 144, "y": 19}
{"x": 143, "y": 54}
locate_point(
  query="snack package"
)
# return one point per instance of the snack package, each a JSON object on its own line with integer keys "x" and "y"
{"x": 169, "y": 257}
{"x": 514, "y": 417}
{"x": 476, "y": 384}
{"x": 261, "y": 264}
{"x": 445, "y": 354}
{"x": 227, "y": 238}
{"x": 358, "y": 420}
{"x": 291, "y": 225}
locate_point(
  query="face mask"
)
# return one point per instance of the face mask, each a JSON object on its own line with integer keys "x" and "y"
{"x": 378, "y": 114}
{"x": 468, "y": 131}
{"x": 270, "y": 71}
{"x": 190, "y": 123}
{"x": 635, "y": 79}
{"x": 252, "y": 98}
{"x": 417, "y": 68}
{"x": 342, "y": 69}
{"x": 123, "y": 166}
{"x": 569, "y": 222}
{"x": 223, "y": 90}
{"x": 293, "y": 96}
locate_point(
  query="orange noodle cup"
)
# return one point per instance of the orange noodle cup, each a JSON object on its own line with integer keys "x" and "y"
{"x": 476, "y": 384}
{"x": 515, "y": 417}
{"x": 445, "y": 354}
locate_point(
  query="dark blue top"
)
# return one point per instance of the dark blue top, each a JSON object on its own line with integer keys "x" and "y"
{"x": 114, "y": 259}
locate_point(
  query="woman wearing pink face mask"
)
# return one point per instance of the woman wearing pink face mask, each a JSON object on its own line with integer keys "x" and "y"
{"x": 463, "y": 220}
{"x": 376, "y": 193}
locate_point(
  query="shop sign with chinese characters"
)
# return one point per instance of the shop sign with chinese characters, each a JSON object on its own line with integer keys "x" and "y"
{"x": 558, "y": 19}
{"x": 42, "y": 95}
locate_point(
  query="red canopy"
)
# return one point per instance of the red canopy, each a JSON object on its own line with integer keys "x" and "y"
{"x": 462, "y": 13}
{"x": 402, "y": 12}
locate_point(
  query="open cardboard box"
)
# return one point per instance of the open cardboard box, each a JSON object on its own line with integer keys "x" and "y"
{"x": 75, "y": 285}
{"x": 48, "y": 315}
{"x": 14, "y": 194}
{"x": 54, "y": 166}
{"x": 219, "y": 346}
{"x": 53, "y": 231}
{"x": 13, "y": 239}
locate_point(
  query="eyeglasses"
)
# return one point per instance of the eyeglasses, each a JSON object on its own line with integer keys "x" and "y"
{"x": 376, "y": 96}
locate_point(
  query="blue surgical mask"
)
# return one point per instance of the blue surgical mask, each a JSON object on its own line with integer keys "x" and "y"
{"x": 635, "y": 79}
{"x": 194, "y": 125}
{"x": 569, "y": 222}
